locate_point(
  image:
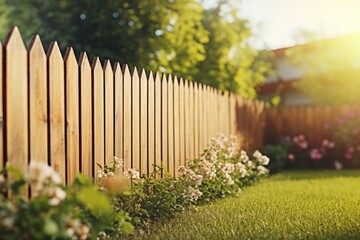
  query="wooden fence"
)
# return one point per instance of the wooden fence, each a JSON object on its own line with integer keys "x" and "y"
{"x": 312, "y": 121}
{"x": 73, "y": 114}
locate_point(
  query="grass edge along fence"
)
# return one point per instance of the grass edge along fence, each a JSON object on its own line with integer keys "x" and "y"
{"x": 73, "y": 115}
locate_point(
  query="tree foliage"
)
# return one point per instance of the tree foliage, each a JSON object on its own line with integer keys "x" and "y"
{"x": 177, "y": 37}
{"x": 331, "y": 70}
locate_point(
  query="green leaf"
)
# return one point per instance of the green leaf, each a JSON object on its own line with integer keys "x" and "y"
{"x": 127, "y": 228}
{"x": 51, "y": 227}
{"x": 96, "y": 201}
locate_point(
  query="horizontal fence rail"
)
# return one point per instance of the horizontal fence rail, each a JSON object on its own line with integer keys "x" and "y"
{"x": 311, "y": 121}
{"x": 75, "y": 114}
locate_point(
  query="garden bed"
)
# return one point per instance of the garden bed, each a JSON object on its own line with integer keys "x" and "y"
{"x": 291, "y": 205}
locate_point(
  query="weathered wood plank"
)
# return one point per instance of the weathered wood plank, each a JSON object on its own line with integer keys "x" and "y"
{"x": 170, "y": 117}
{"x": 86, "y": 124}
{"x": 38, "y": 116}
{"x": 151, "y": 122}
{"x": 72, "y": 115}
{"x": 119, "y": 114}
{"x": 109, "y": 112}
{"x": 135, "y": 120}
{"x": 99, "y": 113}
{"x": 127, "y": 118}
{"x": 16, "y": 101}
{"x": 57, "y": 109}
{"x": 144, "y": 123}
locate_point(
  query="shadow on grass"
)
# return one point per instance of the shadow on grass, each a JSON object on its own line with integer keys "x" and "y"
{"x": 315, "y": 174}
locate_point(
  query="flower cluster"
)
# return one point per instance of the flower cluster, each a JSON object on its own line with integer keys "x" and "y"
{"x": 222, "y": 169}
{"x": 54, "y": 211}
{"x": 45, "y": 181}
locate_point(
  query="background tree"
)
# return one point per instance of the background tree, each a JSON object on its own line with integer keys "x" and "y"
{"x": 176, "y": 37}
{"x": 331, "y": 70}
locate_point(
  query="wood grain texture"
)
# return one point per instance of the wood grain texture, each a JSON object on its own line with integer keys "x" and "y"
{"x": 164, "y": 122}
{"x": 119, "y": 112}
{"x": 135, "y": 120}
{"x": 72, "y": 115}
{"x": 144, "y": 123}
{"x": 38, "y": 101}
{"x": 182, "y": 121}
{"x": 158, "y": 117}
{"x": 98, "y": 115}
{"x": 151, "y": 123}
{"x": 86, "y": 111}
{"x": 57, "y": 109}
{"x": 127, "y": 118}
{"x": 170, "y": 117}
{"x": 109, "y": 112}
{"x": 177, "y": 143}
{"x": 16, "y": 102}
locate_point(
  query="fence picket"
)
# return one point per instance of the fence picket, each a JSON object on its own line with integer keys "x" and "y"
{"x": 38, "y": 115}
{"x": 99, "y": 111}
{"x": 170, "y": 117}
{"x": 119, "y": 115}
{"x": 86, "y": 110}
{"x": 144, "y": 123}
{"x": 109, "y": 112}
{"x": 151, "y": 122}
{"x": 182, "y": 124}
{"x": 127, "y": 118}
{"x": 164, "y": 122}
{"x": 158, "y": 117}
{"x": 135, "y": 163}
{"x": 57, "y": 109}
{"x": 16, "y": 88}
{"x": 72, "y": 115}
{"x": 177, "y": 142}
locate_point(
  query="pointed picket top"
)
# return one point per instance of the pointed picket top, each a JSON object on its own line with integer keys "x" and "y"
{"x": 96, "y": 65}
{"x": 117, "y": 70}
{"x": 143, "y": 75}
{"x": 54, "y": 51}
{"x": 107, "y": 66}
{"x": 84, "y": 60}
{"x": 157, "y": 77}
{"x": 36, "y": 48}
{"x": 151, "y": 76}
{"x": 13, "y": 41}
{"x": 164, "y": 78}
{"x": 126, "y": 71}
{"x": 70, "y": 55}
{"x": 135, "y": 73}
{"x": 170, "y": 79}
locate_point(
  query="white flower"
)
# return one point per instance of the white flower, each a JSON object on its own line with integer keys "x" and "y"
{"x": 250, "y": 164}
{"x": 257, "y": 154}
{"x": 134, "y": 174}
{"x": 261, "y": 170}
{"x": 264, "y": 160}
{"x": 55, "y": 195}
{"x": 197, "y": 179}
{"x": 193, "y": 194}
{"x": 228, "y": 180}
{"x": 244, "y": 158}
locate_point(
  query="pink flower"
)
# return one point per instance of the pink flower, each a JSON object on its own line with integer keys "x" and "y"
{"x": 291, "y": 157}
{"x": 315, "y": 154}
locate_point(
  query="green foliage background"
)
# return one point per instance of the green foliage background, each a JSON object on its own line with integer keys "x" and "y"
{"x": 174, "y": 37}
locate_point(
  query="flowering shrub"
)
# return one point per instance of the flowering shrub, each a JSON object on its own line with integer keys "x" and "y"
{"x": 54, "y": 211}
{"x": 220, "y": 171}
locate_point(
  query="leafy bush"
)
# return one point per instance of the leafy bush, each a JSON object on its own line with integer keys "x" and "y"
{"x": 54, "y": 211}
{"x": 220, "y": 171}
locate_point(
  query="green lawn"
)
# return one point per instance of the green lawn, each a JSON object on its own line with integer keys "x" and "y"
{"x": 291, "y": 205}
